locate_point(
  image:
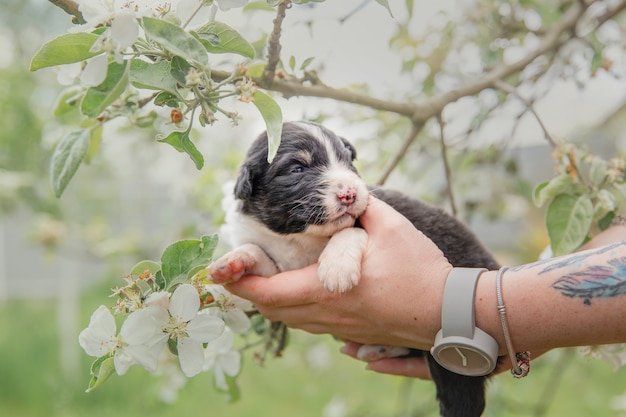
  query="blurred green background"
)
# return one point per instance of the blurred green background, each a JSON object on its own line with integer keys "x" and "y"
{"x": 58, "y": 259}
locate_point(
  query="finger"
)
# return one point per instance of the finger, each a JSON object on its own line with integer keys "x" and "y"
{"x": 281, "y": 290}
{"x": 351, "y": 349}
{"x": 410, "y": 367}
{"x": 375, "y": 211}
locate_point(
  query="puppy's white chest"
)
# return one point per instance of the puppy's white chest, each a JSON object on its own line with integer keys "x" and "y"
{"x": 289, "y": 252}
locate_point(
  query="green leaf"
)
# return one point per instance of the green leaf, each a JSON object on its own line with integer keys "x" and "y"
{"x": 152, "y": 76}
{"x": 176, "y": 40}
{"x": 66, "y": 158}
{"x": 179, "y": 68}
{"x": 166, "y": 99}
{"x": 219, "y": 38}
{"x": 143, "y": 266}
{"x": 292, "y": 62}
{"x": 257, "y": 6}
{"x": 546, "y": 191}
{"x": 409, "y": 7}
{"x": 95, "y": 140}
{"x": 185, "y": 256}
{"x": 181, "y": 142}
{"x": 568, "y": 220}
{"x": 100, "y": 97}
{"x": 273, "y": 116}
{"x": 209, "y": 243}
{"x": 66, "y": 49}
{"x": 233, "y": 393}
{"x": 385, "y": 4}
{"x": 306, "y": 63}
{"x": 101, "y": 370}
{"x": 67, "y": 101}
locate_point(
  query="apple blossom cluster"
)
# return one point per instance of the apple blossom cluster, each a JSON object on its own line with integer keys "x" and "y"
{"x": 172, "y": 311}
{"x": 195, "y": 322}
{"x": 150, "y": 62}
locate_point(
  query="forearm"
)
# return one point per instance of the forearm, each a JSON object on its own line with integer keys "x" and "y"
{"x": 574, "y": 300}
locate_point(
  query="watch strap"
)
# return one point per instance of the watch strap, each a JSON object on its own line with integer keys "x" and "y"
{"x": 457, "y": 310}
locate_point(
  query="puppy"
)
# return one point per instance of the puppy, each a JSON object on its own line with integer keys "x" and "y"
{"x": 302, "y": 209}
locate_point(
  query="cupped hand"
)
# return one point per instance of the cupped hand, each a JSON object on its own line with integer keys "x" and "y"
{"x": 397, "y": 302}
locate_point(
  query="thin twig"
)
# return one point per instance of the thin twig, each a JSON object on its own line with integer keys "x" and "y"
{"x": 417, "y": 127}
{"x": 273, "y": 45}
{"x": 194, "y": 13}
{"x": 529, "y": 105}
{"x": 446, "y": 165}
{"x": 70, "y": 7}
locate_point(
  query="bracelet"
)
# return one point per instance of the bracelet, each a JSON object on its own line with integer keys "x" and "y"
{"x": 520, "y": 360}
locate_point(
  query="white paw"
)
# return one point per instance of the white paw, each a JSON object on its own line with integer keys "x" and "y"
{"x": 340, "y": 262}
{"x": 370, "y": 353}
{"x": 338, "y": 274}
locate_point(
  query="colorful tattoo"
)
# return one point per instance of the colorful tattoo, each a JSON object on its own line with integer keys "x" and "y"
{"x": 595, "y": 281}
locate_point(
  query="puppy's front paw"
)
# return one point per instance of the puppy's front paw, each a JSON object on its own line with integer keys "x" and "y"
{"x": 231, "y": 266}
{"x": 338, "y": 274}
{"x": 340, "y": 262}
{"x": 371, "y": 353}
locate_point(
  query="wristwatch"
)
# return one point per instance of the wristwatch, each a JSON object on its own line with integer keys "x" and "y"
{"x": 460, "y": 346}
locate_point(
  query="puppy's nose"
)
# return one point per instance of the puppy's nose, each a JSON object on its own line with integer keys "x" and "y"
{"x": 346, "y": 196}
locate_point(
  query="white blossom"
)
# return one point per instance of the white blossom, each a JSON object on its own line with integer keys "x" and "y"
{"x": 222, "y": 359}
{"x": 137, "y": 342}
{"x": 230, "y": 308}
{"x": 190, "y": 328}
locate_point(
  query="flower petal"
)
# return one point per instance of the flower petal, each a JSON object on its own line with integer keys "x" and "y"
{"x": 142, "y": 325}
{"x": 230, "y": 362}
{"x": 122, "y": 361}
{"x": 190, "y": 356}
{"x": 158, "y": 299}
{"x": 185, "y": 302}
{"x": 124, "y": 28}
{"x": 95, "y": 71}
{"x": 142, "y": 355}
{"x": 237, "y": 321}
{"x": 221, "y": 344}
{"x": 204, "y": 328}
{"x": 99, "y": 337}
{"x": 220, "y": 379}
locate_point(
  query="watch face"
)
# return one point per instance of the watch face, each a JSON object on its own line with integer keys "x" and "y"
{"x": 464, "y": 360}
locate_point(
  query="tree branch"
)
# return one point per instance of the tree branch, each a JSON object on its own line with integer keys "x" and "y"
{"x": 70, "y": 7}
{"x": 419, "y": 113}
{"x": 410, "y": 138}
{"x": 273, "y": 45}
{"x": 529, "y": 104}
{"x": 446, "y": 165}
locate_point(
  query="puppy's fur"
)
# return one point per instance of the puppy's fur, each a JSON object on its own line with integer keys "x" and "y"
{"x": 301, "y": 209}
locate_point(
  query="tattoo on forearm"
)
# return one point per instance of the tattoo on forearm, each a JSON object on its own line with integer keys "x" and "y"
{"x": 579, "y": 257}
{"x": 588, "y": 282}
{"x": 595, "y": 281}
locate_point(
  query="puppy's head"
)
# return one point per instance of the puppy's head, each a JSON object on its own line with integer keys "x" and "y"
{"x": 311, "y": 185}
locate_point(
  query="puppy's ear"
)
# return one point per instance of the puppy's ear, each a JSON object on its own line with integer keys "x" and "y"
{"x": 350, "y": 148}
{"x": 243, "y": 186}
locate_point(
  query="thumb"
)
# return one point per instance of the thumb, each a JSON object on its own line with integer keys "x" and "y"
{"x": 379, "y": 216}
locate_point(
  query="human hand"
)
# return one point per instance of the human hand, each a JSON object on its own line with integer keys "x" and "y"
{"x": 397, "y": 302}
{"x": 414, "y": 366}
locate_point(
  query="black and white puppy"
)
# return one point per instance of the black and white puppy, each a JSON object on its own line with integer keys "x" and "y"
{"x": 302, "y": 209}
